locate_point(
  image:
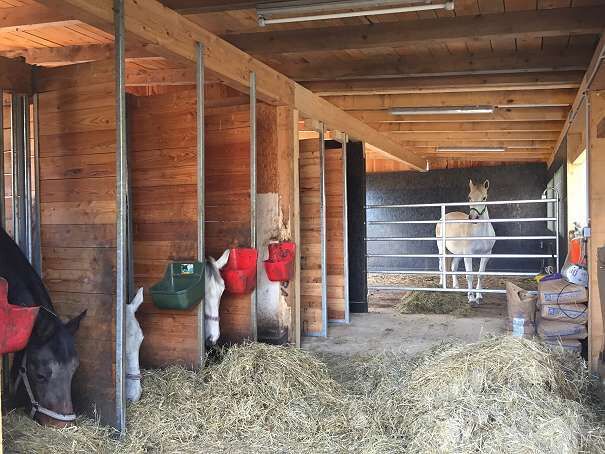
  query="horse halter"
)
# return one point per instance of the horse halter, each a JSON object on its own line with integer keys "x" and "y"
{"x": 479, "y": 213}
{"x": 36, "y": 407}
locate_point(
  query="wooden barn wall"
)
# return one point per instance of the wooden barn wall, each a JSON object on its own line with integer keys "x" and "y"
{"x": 78, "y": 217}
{"x": 335, "y": 237}
{"x": 228, "y": 204}
{"x": 310, "y": 275}
{"x": 163, "y": 138}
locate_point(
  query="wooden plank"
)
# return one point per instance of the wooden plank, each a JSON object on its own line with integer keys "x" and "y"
{"x": 537, "y": 98}
{"x": 398, "y": 66}
{"x": 504, "y": 114}
{"x": 69, "y": 55}
{"x": 596, "y": 196}
{"x": 31, "y": 17}
{"x": 454, "y": 83}
{"x": 521, "y": 24}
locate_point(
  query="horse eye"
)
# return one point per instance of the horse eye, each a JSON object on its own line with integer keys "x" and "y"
{"x": 41, "y": 378}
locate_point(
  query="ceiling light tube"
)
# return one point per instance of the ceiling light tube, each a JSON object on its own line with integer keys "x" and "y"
{"x": 308, "y": 7}
{"x": 263, "y": 21}
{"x": 471, "y": 149}
{"x": 441, "y": 110}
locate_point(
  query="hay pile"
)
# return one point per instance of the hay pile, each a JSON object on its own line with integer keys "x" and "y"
{"x": 435, "y": 303}
{"x": 496, "y": 396}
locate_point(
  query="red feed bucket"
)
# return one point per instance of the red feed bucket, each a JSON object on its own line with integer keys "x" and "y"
{"x": 240, "y": 272}
{"x": 280, "y": 266}
{"x": 16, "y": 323}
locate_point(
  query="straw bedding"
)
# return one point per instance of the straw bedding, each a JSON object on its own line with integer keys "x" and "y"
{"x": 496, "y": 396}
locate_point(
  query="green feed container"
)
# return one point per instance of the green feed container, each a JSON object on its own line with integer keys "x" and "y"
{"x": 182, "y": 287}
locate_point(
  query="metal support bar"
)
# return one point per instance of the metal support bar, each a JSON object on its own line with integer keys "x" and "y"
{"x": 254, "y": 327}
{"x": 452, "y": 204}
{"x": 449, "y": 273}
{"x": 474, "y": 256}
{"x": 201, "y": 188}
{"x": 121, "y": 213}
{"x": 323, "y": 232}
{"x": 2, "y": 194}
{"x": 18, "y": 172}
{"x": 463, "y": 238}
{"x": 27, "y": 180}
{"x": 435, "y": 289}
{"x": 465, "y": 221}
{"x": 36, "y": 246}
{"x": 345, "y": 230}
{"x": 442, "y": 260}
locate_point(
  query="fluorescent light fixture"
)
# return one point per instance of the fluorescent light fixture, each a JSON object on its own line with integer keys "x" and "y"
{"x": 441, "y": 110}
{"x": 471, "y": 149}
{"x": 263, "y": 20}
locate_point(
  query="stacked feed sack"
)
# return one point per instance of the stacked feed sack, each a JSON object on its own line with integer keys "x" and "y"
{"x": 521, "y": 306}
{"x": 562, "y": 313}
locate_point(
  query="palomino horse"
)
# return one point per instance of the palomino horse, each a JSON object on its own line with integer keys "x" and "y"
{"x": 477, "y": 193}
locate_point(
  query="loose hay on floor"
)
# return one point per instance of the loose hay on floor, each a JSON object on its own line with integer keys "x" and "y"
{"x": 501, "y": 395}
{"x": 435, "y": 303}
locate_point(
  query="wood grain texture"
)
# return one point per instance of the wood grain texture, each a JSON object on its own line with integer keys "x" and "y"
{"x": 78, "y": 218}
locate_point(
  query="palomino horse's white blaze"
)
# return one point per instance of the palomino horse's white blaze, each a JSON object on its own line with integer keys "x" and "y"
{"x": 215, "y": 286}
{"x": 134, "y": 338}
{"x": 478, "y": 193}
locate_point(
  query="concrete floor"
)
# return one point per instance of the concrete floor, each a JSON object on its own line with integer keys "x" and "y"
{"x": 383, "y": 329}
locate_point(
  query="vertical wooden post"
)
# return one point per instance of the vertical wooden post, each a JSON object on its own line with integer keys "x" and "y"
{"x": 297, "y": 326}
{"x": 596, "y": 192}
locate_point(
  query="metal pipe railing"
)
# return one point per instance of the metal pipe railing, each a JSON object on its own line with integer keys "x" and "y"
{"x": 449, "y": 273}
{"x": 201, "y": 191}
{"x": 253, "y": 190}
{"x": 461, "y": 238}
{"x": 465, "y": 221}
{"x": 474, "y": 256}
{"x": 456, "y": 204}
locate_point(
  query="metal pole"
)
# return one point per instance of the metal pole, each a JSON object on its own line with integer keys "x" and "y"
{"x": 444, "y": 263}
{"x": 17, "y": 168}
{"x": 253, "y": 196}
{"x": 345, "y": 230}
{"x": 201, "y": 187}
{"x": 2, "y": 194}
{"x": 322, "y": 230}
{"x": 121, "y": 214}
{"x": 37, "y": 235}
{"x": 557, "y": 232}
{"x": 27, "y": 180}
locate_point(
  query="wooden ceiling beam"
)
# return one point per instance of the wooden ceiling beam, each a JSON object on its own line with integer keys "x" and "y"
{"x": 167, "y": 33}
{"x": 505, "y": 114}
{"x": 471, "y": 127}
{"x": 518, "y": 24}
{"x": 209, "y": 6}
{"x": 537, "y": 98}
{"x": 386, "y": 67}
{"x": 436, "y": 84}
{"x": 32, "y": 17}
{"x": 484, "y": 136}
{"x": 68, "y": 55}
{"x": 140, "y": 77}
{"x": 509, "y": 144}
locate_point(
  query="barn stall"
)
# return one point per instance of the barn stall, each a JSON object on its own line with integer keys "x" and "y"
{"x": 79, "y": 216}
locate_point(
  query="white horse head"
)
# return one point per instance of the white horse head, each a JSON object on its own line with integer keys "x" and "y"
{"x": 477, "y": 193}
{"x": 134, "y": 338}
{"x": 215, "y": 286}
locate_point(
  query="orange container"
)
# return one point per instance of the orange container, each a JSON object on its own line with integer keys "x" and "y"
{"x": 576, "y": 252}
{"x": 16, "y": 323}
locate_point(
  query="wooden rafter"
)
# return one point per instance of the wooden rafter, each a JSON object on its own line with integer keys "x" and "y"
{"x": 31, "y": 17}
{"x": 519, "y": 25}
{"x": 436, "y": 84}
{"x": 167, "y": 33}
{"x": 67, "y": 55}
{"x": 562, "y": 97}
{"x": 505, "y": 114}
{"x": 383, "y": 67}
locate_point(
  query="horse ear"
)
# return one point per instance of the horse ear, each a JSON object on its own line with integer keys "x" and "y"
{"x": 137, "y": 300}
{"x": 73, "y": 325}
{"x": 470, "y": 183}
{"x": 486, "y": 184}
{"x": 222, "y": 261}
